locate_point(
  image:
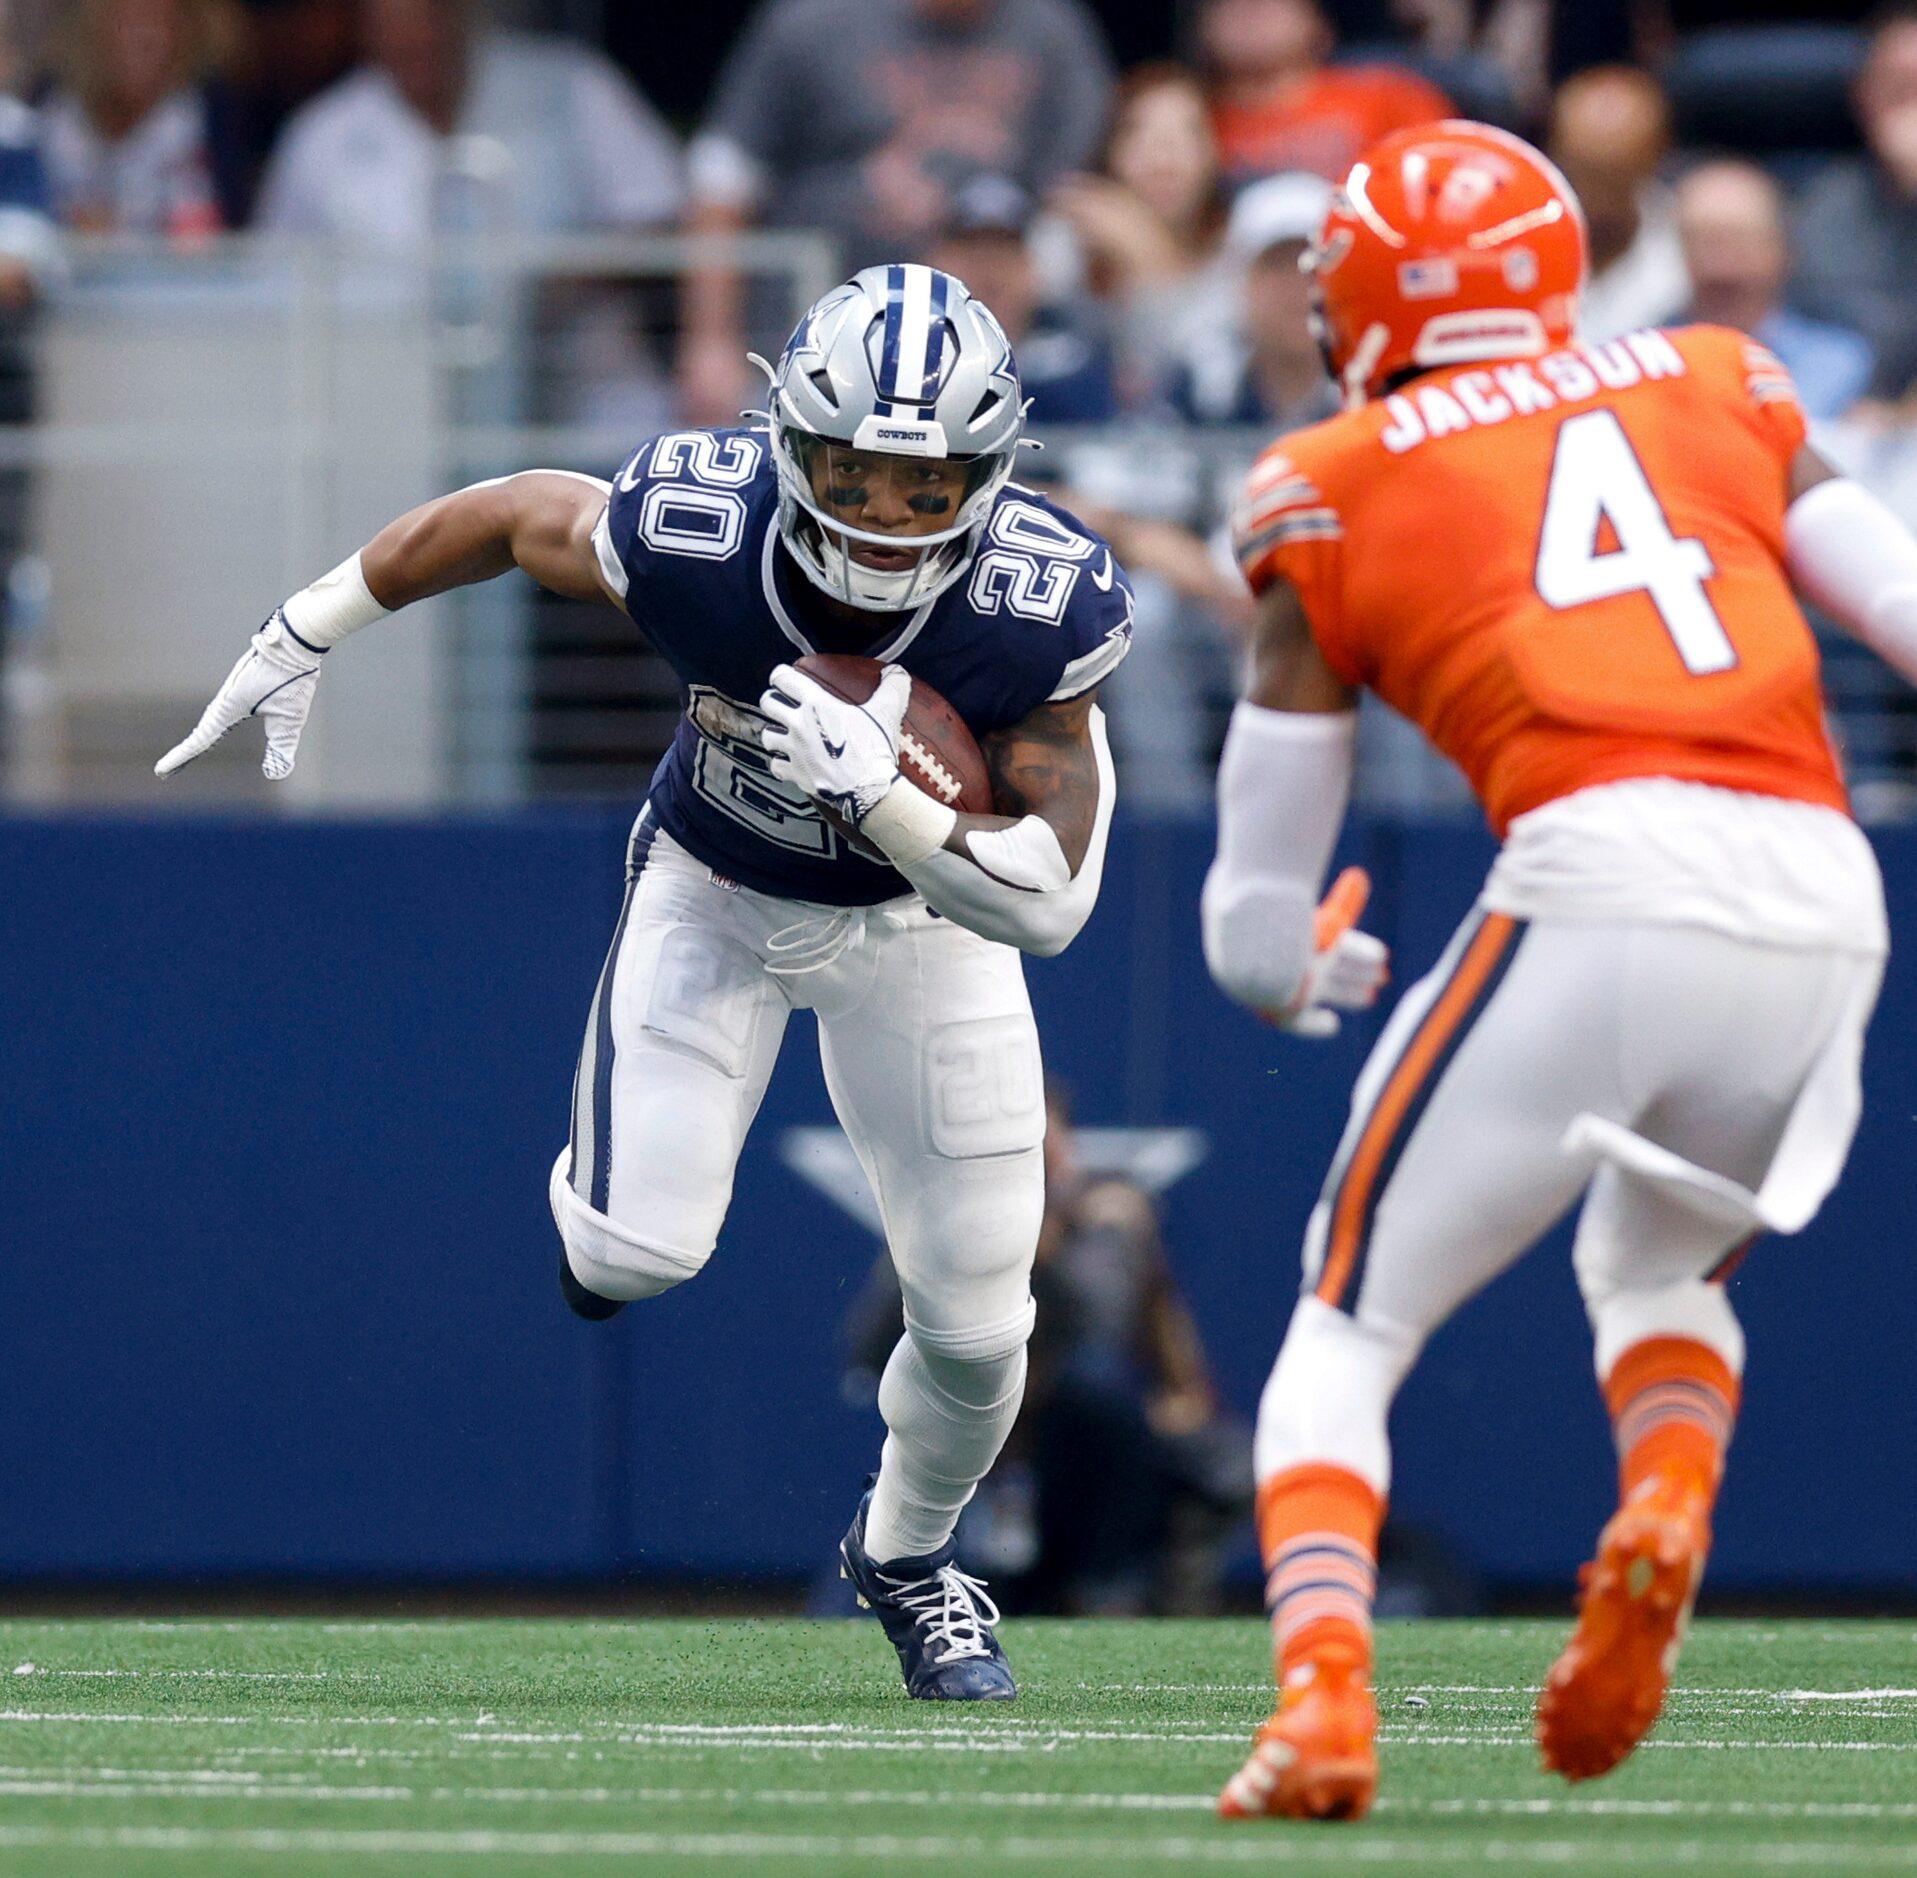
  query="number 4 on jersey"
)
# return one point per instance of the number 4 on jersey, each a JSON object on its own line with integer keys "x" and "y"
{"x": 1595, "y": 478}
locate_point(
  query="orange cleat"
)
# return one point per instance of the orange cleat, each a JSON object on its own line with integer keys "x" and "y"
{"x": 1605, "y": 1691}
{"x": 1317, "y": 1757}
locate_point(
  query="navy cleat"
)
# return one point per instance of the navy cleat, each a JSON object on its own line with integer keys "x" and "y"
{"x": 583, "y": 1303}
{"x": 940, "y": 1621}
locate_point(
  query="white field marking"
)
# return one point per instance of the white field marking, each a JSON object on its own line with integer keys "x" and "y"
{"x": 1248, "y": 1847}
{"x": 189, "y": 1790}
{"x": 1179, "y": 1688}
{"x": 218, "y": 1675}
{"x": 199, "y": 1785}
{"x": 1843, "y": 1695}
{"x": 1528, "y": 1690}
{"x": 845, "y": 1737}
{"x": 1658, "y": 1809}
{"x": 239, "y": 1721}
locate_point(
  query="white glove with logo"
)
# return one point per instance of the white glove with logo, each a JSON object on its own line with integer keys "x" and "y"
{"x": 844, "y": 756}
{"x": 274, "y": 682}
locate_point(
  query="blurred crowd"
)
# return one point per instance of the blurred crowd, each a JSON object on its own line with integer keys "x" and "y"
{"x": 1746, "y": 161}
{"x": 1128, "y": 226}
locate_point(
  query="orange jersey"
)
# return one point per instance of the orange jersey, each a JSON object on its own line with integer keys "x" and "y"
{"x": 1567, "y": 570}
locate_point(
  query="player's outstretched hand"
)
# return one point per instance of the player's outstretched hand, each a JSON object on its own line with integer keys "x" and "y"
{"x": 843, "y": 755}
{"x": 1348, "y": 967}
{"x": 274, "y": 682}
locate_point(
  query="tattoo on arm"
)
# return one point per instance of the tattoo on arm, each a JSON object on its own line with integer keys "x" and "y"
{"x": 1046, "y": 765}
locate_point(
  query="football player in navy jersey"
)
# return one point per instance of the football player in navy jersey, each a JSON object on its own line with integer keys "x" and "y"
{"x": 872, "y": 511}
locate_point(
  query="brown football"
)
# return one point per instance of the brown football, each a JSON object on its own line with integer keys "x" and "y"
{"x": 936, "y": 751}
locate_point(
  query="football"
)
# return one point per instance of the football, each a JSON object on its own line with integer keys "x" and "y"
{"x": 936, "y": 751}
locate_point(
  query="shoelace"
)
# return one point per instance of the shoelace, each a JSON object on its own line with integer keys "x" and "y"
{"x": 953, "y": 1610}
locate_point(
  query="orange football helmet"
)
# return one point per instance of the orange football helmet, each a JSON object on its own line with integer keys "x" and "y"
{"x": 1448, "y": 243}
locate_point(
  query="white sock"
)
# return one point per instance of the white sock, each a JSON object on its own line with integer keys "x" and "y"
{"x": 1329, "y": 1396}
{"x": 948, "y": 1419}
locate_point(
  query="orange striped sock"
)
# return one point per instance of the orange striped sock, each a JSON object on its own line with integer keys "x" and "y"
{"x": 1673, "y": 1404}
{"x": 1318, "y": 1526}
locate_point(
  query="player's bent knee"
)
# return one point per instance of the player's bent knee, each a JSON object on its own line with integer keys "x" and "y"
{"x": 1692, "y": 1309}
{"x": 1330, "y": 1394}
{"x": 612, "y": 1260}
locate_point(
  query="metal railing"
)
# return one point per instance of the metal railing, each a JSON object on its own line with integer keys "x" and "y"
{"x": 219, "y": 424}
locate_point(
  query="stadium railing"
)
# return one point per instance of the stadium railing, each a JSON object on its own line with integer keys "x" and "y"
{"x": 218, "y": 424}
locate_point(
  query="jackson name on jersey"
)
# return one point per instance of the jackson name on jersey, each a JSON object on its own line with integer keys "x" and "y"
{"x": 690, "y": 541}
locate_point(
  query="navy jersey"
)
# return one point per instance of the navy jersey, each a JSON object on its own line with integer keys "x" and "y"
{"x": 691, "y": 540}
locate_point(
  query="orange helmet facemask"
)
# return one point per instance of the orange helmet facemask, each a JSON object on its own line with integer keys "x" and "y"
{"x": 1449, "y": 243}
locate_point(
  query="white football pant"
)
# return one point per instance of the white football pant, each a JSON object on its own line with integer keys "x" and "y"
{"x": 931, "y": 1058}
{"x": 1703, "y": 1087}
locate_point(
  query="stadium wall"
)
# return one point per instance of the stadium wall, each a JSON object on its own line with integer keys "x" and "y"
{"x": 277, "y": 1297}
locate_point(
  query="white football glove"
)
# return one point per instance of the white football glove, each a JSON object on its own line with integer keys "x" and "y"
{"x": 844, "y": 756}
{"x": 274, "y": 682}
{"x": 1348, "y": 968}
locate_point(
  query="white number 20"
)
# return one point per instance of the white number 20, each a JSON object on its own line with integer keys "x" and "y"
{"x": 1596, "y": 476}
{"x": 705, "y": 517}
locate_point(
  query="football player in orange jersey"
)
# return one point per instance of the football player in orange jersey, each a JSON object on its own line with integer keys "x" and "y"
{"x": 1573, "y": 567}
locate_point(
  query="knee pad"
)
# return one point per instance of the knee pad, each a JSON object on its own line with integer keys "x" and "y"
{"x": 977, "y": 1343}
{"x": 1330, "y": 1393}
{"x": 1692, "y": 1308}
{"x": 607, "y": 1258}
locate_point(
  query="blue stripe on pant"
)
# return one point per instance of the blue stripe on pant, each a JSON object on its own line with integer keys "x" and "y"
{"x": 591, "y": 1184}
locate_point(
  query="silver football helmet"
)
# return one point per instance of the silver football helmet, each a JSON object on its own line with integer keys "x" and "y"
{"x": 898, "y": 392}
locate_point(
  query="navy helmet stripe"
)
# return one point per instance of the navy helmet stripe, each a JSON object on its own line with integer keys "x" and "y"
{"x": 894, "y": 324}
{"x": 935, "y": 338}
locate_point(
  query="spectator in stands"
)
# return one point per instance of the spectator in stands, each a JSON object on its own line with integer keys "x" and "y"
{"x": 1756, "y": 75}
{"x": 1269, "y": 371}
{"x": 294, "y": 51}
{"x": 29, "y": 239}
{"x": 1730, "y": 216}
{"x": 1151, "y": 227}
{"x": 1277, "y": 104}
{"x": 453, "y": 125}
{"x": 860, "y": 117}
{"x": 1857, "y": 224}
{"x": 1610, "y": 133}
{"x": 29, "y": 261}
{"x": 129, "y": 128}
{"x": 1065, "y": 366}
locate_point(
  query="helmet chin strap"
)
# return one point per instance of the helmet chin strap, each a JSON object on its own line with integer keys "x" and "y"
{"x": 1363, "y": 362}
{"x": 870, "y": 587}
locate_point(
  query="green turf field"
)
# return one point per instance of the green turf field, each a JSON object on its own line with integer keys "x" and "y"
{"x": 562, "y": 1746}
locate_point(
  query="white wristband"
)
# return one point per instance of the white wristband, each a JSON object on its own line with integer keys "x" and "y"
{"x": 906, "y": 825}
{"x": 336, "y": 604}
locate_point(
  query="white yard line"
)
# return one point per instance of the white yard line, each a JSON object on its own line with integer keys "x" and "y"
{"x": 199, "y": 1785}
{"x": 848, "y": 1737}
{"x": 1249, "y": 1846}
{"x": 213, "y": 1675}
